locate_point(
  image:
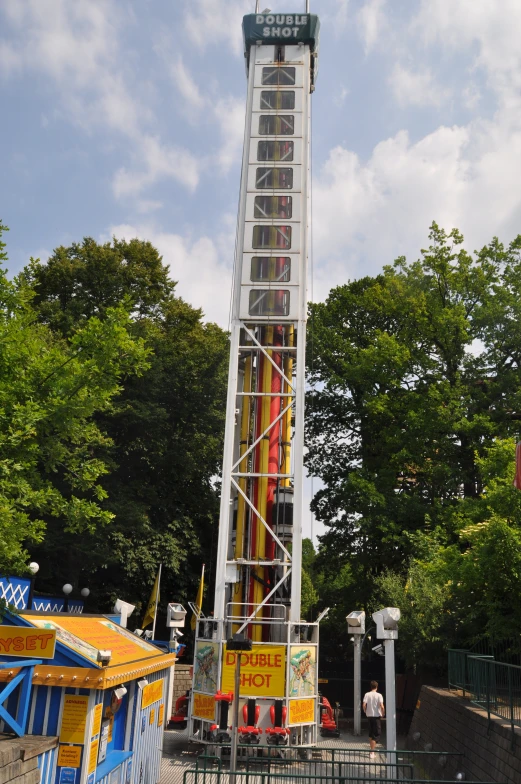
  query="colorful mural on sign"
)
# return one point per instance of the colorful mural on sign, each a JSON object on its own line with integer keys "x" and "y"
{"x": 205, "y": 667}
{"x": 303, "y": 677}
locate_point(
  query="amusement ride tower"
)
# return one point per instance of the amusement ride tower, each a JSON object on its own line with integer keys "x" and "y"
{"x": 258, "y": 572}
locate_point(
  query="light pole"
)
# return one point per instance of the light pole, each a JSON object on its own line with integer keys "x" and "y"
{"x": 67, "y": 589}
{"x": 356, "y": 626}
{"x": 33, "y": 568}
{"x": 386, "y": 621}
{"x": 237, "y": 643}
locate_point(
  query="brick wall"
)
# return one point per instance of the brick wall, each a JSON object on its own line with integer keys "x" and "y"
{"x": 450, "y": 723}
{"x": 182, "y": 680}
{"x": 19, "y": 758}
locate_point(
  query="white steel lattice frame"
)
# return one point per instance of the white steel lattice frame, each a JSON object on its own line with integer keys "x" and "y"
{"x": 294, "y": 387}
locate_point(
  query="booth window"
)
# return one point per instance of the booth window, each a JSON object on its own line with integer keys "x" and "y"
{"x": 272, "y": 237}
{"x": 273, "y": 207}
{"x": 270, "y": 268}
{"x": 266, "y": 302}
{"x": 277, "y": 99}
{"x": 274, "y": 178}
{"x": 277, "y": 124}
{"x": 275, "y": 151}
{"x": 278, "y": 76}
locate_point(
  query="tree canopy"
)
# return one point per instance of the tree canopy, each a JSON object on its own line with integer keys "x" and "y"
{"x": 52, "y": 464}
{"x": 164, "y": 430}
{"x": 416, "y": 381}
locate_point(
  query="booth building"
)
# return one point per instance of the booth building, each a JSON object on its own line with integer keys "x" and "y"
{"x": 95, "y": 688}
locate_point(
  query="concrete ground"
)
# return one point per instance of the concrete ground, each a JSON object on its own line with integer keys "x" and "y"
{"x": 179, "y": 755}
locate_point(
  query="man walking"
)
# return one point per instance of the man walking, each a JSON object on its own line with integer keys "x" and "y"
{"x": 373, "y": 705}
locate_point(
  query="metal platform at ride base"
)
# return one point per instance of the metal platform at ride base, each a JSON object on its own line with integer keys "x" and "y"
{"x": 332, "y": 761}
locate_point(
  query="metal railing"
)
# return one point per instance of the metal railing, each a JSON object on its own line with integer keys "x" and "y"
{"x": 251, "y": 777}
{"x": 458, "y": 667}
{"x": 495, "y": 687}
{"x": 347, "y": 763}
{"x": 340, "y": 769}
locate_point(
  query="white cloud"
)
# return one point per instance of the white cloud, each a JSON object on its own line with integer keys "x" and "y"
{"x": 216, "y": 22}
{"x": 159, "y": 161}
{"x": 371, "y": 22}
{"x": 230, "y": 114}
{"x": 416, "y": 87}
{"x": 488, "y": 31}
{"x": 368, "y": 213}
{"x": 202, "y": 267}
{"x": 227, "y": 112}
{"x": 186, "y": 85}
{"x": 340, "y": 97}
{"x": 77, "y": 47}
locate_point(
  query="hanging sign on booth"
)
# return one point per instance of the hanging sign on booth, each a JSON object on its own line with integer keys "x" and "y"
{"x": 27, "y": 643}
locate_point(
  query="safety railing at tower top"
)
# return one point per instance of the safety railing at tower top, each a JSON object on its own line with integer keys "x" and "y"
{"x": 458, "y": 668}
{"x": 205, "y": 776}
{"x": 495, "y": 687}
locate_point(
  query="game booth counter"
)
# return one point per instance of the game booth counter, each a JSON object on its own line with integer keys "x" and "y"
{"x": 91, "y": 684}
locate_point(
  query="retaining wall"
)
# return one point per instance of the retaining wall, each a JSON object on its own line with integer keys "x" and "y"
{"x": 450, "y": 723}
{"x": 19, "y": 758}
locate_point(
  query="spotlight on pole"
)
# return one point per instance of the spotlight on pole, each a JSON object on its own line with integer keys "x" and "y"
{"x": 356, "y": 627}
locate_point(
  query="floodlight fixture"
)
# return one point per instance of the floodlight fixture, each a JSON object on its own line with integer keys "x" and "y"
{"x": 104, "y": 658}
{"x": 175, "y": 616}
{"x": 387, "y": 623}
{"x": 356, "y": 622}
{"x": 124, "y": 609}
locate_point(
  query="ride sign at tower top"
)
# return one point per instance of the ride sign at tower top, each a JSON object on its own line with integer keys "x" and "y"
{"x": 277, "y": 28}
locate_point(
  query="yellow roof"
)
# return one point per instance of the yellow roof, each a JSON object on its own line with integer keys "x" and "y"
{"x": 87, "y": 634}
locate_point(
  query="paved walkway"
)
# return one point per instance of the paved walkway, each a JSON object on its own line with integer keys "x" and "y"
{"x": 180, "y": 755}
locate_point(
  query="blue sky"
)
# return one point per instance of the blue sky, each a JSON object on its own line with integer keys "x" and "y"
{"x": 126, "y": 117}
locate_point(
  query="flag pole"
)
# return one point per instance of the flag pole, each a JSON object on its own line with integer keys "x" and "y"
{"x": 157, "y": 602}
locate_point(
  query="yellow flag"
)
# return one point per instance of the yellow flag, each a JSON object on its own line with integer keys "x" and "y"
{"x": 198, "y": 602}
{"x": 153, "y": 602}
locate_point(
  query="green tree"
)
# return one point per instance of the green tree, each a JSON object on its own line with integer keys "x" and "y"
{"x": 415, "y": 373}
{"x": 166, "y": 427}
{"x": 51, "y": 449}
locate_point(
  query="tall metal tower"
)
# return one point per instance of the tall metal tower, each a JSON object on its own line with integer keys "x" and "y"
{"x": 258, "y": 573}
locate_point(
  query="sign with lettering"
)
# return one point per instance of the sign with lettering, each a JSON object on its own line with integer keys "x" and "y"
{"x": 204, "y": 706}
{"x": 161, "y": 715}
{"x": 69, "y": 756}
{"x": 24, "y": 642}
{"x": 280, "y": 28}
{"x": 68, "y": 776}
{"x": 263, "y": 671}
{"x": 96, "y": 721}
{"x": 281, "y": 25}
{"x": 152, "y": 693}
{"x": 301, "y": 711}
{"x": 74, "y": 718}
{"x": 93, "y": 755}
